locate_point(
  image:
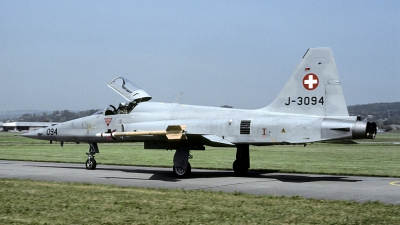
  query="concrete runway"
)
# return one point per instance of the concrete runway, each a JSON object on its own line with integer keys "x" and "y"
{"x": 327, "y": 187}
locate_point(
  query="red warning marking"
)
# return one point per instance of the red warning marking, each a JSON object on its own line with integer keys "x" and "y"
{"x": 108, "y": 121}
{"x": 310, "y": 81}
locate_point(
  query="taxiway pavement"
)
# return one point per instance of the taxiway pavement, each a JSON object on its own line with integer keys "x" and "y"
{"x": 324, "y": 187}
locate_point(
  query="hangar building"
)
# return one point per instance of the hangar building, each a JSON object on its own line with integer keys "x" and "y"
{"x": 24, "y": 126}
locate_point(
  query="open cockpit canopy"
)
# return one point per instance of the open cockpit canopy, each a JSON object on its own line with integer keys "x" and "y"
{"x": 130, "y": 92}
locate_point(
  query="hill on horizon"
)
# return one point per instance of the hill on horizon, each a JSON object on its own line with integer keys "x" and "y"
{"x": 377, "y": 110}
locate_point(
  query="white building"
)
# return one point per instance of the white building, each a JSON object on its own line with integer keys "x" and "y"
{"x": 24, "y": 126}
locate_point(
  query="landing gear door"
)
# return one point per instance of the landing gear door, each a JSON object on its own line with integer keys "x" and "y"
{"x": 129, "y": 90}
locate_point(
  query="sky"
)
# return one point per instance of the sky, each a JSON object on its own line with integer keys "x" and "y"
{"x": 57, "y": 55}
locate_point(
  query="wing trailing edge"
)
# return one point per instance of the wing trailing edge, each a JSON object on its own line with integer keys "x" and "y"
{"x": 214, "y": 140}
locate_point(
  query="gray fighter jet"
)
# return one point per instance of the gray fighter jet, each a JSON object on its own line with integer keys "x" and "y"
{"x": 310, "y": 108}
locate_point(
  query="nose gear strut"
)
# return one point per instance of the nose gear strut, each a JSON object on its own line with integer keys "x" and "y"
{"x": 91, "y": 162}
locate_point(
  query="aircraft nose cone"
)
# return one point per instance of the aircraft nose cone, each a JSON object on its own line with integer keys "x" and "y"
{"x": 30, "y": 134}
{"x": 33, "y": 134}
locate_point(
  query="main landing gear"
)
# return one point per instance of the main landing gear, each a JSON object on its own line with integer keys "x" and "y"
{"x": 183, "y": 169}
{"x": 182, "y": 166}
{"x": 91, "y": 162}
{"x": 242, "y": 163}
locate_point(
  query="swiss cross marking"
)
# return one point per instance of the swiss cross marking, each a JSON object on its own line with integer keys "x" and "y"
{"x": 310, "y": 81}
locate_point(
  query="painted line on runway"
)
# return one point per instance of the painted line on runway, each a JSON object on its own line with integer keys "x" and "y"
{"x": 395, "y": 183}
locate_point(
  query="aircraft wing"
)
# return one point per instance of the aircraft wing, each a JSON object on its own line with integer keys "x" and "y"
{"x": 167, "y": 131}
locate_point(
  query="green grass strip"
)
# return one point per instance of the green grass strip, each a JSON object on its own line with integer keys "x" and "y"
{"x": 36, "y": 202}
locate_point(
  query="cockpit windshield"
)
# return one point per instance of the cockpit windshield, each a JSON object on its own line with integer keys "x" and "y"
{"x": 99, "y": 112}
{"x": 123, "y": 108}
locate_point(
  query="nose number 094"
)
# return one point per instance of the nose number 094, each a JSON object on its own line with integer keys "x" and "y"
{"x": 51, "y": 131}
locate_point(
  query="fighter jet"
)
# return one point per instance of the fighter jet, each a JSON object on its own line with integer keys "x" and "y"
{"x": 310, "y": 108}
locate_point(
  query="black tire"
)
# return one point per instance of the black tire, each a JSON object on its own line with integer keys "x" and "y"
{"x": 239, "y": 168}
{"x": 179, "y": 172}
{"x": 91, "y": 164}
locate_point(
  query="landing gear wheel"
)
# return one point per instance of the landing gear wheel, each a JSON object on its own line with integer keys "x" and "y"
{"x": 239, "y": 168}
{"x": 180, "y": 172}
{"x": 91, "y": 164}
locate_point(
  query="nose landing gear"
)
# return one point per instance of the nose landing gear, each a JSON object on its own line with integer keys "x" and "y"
{"x": 91, "y": 162}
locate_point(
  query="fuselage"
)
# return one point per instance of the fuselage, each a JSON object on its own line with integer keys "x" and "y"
{"x": 257, "y": 127}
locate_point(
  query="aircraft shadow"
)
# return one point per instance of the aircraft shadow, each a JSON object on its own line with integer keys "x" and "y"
{"x": 291, "y": 178}
{"x": 168, "y": 176}
{"x": 305, "y": 178}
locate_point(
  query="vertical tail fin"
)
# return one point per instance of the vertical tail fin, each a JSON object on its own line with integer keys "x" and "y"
{"x": 313, "y": 89}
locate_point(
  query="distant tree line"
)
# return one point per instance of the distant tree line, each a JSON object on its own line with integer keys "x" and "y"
{"x": 384, "y": 114}
{"x": 56, "y": 116}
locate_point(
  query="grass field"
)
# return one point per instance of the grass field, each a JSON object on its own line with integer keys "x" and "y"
{"x": 378, "y": 157}
{"x": 37, "y": 202}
